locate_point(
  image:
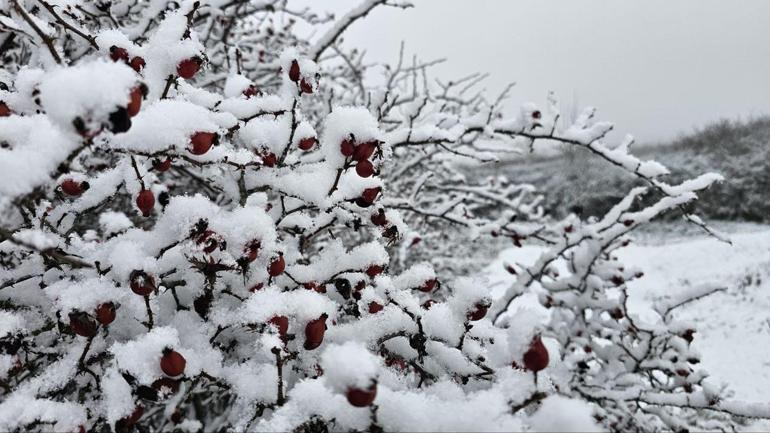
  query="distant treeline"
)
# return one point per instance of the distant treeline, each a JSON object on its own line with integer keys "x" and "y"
{"x": 578, "y": 181}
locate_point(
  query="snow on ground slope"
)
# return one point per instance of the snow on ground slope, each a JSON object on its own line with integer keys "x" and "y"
{"x": 733, "y": 326}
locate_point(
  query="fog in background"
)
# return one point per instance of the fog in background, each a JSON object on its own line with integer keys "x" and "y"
{"x": 656, "y": 68}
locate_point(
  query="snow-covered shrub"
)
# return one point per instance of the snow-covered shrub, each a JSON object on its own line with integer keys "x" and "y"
{"x": 212, "y": 224}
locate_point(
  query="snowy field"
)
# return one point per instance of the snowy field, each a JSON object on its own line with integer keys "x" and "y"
{"x": 733, "y": 326}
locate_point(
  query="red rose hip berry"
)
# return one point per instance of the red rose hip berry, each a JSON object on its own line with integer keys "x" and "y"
{"x": 135, "y": 101}
{"x": 145, "y": 201}
{"x": 362, "y": 397}
{"x": 314, "y": 332}
{"x": 172, "y": 363}
{"x": 137, "y": 63}
{"x": 188, "y": 68}
{"x": 201, "y": 142}
{"x": 117, "y": 54}
{"x": 294, "y": 71}
{"x": 281, "y": 323}
{"x": 142, "y": 283}
{"x": 277, "y": 266}
{"x": 105, "y": 313}
{"x": 536, "y": 357}
{"x": 364, "y": 168}
{"x": 73, "y": 188}
{"x": 347, "y": 147}
{"x": 307, "y": 143}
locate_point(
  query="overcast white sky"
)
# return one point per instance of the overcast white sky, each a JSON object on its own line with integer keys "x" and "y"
{"x": 655, "y": 68}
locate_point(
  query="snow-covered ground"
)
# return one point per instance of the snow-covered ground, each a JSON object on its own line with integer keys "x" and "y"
{"x": 733, "y": 326}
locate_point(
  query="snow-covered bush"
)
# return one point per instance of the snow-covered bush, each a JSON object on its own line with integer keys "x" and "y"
{"x": 213, "y": 224}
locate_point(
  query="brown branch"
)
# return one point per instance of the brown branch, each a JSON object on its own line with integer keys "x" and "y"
{"x": 91, "y": 40}
{"x": 47, "y": 40}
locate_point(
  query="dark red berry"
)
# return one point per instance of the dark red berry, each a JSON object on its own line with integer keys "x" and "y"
{"x": 209, "y": 241}
{"x": 251, "y": 91}
{"x": 142, "y": 283}
{"x": 172, "y": 363}
{"x": 73, "y": 188}
{"x": 319, "y": 288}
{"x": 105, "y": 313}
{"x": 137, "y": 63}
{"x": 145, "y": 201}
{"x": 135, "y": 101}
{"x": 305, "y": 87}
{"x": 252, "y": 250}
{"x": 364, "y": 150}
{"x": 277, "y": 266}
{"x": 161, "y": 166}
{"x": 370, "y": 195}
{"x": 314, "y": 332}
{"x": 347, "y": 147}
{"x": 362, "y": 397}
{"x": 269, "y": 160}
{"x": 5, "y": 111}
{"x": 536, "y": 357}
{"x": 374, "y": 270}
{"x": 281, "y": 323}
{"x": 375, "y": 307}
{"x": 294, "y": 71}
{"x": 478, "y": 312}
{"x": 365, "y": 168}
{"x": 118, "y": 54}
{"x": 429, "y": 285}
{"x": 188, "y": 68}
{"x": 379, "y": 218}
{"x": 307, "y": 143}
{"x": 201, "y": 142}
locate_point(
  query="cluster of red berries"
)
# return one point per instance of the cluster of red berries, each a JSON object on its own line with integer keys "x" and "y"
{"x": 314, "y": 330}
{"x": 186, "y": 69}
{"x": 83, "y": 324}
{"x": 118, "y": 54}
{"x": 360, "y": 152}
{"x": 295, "y": 75}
